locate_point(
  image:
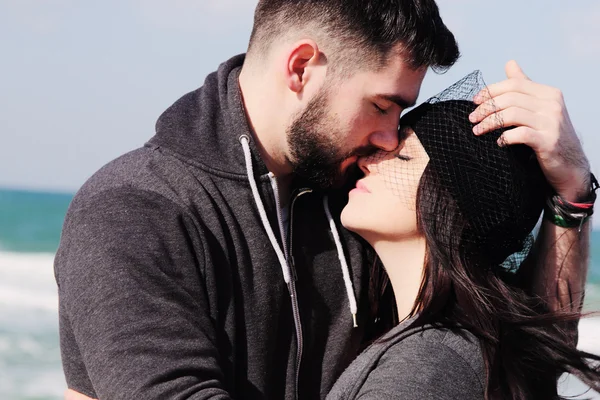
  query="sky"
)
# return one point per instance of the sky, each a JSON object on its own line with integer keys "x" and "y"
{"x": 84, "y": 82}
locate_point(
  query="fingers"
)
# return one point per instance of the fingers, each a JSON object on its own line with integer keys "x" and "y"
{"x": 539, "y": 119}
{"x": 518, "y": 82}
{"x": 517, "y": 101}
{"x": 512, "y": 116}
{"x": 522, "y": 86}
{"x": 513, "y": 70}
{"x": 504, "y": 102}
{"x": 520, "y": 135}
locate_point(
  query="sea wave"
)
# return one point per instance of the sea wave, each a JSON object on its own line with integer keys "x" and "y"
{"x": 29, "y": 349}
{"x": 29, "y": 340}
{"x": 27, "y": 281}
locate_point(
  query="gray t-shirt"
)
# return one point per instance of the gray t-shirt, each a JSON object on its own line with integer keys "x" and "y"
{"x": 434, "y": 363}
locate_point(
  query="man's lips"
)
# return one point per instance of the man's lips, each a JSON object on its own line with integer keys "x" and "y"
{"x": 345, "y": 164}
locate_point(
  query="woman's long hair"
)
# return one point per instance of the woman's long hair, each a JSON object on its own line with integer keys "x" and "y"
{"x": 525, "y": 347}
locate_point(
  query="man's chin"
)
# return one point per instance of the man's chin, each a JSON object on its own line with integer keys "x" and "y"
{"x": 325, "y": 183}
{"x": 330, "y": 178}
{"x": 321, "y": 179}
{"x": 341, "y": 178}
{"x": 347, "y": 178}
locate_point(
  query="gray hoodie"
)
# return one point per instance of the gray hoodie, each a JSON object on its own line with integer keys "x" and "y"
{"x": 177, "y": 279}
{"x": 413, "y": 364}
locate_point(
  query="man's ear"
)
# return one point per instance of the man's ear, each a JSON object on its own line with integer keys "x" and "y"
{"x": 302, "y": 58}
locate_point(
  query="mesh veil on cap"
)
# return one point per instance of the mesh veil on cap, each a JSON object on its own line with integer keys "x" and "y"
{"x": 499, "y": 191}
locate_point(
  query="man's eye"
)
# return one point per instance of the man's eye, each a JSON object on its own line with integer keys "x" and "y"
{"x": 403, "y": 157}
{"x": 380, "y": 110}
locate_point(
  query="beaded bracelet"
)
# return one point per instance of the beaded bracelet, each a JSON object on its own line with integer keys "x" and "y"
{"x": 567, "y": 214}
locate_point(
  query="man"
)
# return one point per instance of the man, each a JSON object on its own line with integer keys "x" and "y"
{"x": 211, "y": 263}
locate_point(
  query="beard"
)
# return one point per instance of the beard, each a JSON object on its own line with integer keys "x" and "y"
{"x": 314, "y": 140}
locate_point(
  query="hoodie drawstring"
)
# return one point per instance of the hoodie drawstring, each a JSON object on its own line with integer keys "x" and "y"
{"x": 285, "y": 269}
{"x": 342, "y": 258}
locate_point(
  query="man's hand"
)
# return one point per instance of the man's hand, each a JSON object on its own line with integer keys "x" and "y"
{"x": 73, "y": 395}
{"x": 541, "y": 121}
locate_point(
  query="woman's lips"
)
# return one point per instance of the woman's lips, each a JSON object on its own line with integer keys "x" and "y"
{"x": 360, "y": 187}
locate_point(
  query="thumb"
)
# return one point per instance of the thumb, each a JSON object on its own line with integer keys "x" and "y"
{"x": 513, "y": 70}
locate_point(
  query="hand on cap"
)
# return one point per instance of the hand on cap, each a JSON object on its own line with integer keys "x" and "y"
{"x": 541, "y": 121}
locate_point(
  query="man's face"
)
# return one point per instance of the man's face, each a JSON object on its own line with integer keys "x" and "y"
{"x": 351, "y": 118}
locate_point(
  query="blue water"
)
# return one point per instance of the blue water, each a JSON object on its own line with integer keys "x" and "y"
{"x": 31, "y": 222}
{"x": 30, "y": 227}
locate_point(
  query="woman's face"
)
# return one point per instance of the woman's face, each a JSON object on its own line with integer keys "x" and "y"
{"x": 383, "y": 204}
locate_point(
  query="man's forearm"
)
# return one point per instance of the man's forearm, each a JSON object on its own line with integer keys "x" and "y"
{"x": 559, "y": 272}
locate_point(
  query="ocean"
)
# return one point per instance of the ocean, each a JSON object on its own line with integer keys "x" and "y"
{"x": 30, "y": 368}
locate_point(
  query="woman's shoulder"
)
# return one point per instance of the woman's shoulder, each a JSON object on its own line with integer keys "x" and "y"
{"x": 454, "y": 345}
{"x": 432, "y": 363}
{"x": 423, "y": 362}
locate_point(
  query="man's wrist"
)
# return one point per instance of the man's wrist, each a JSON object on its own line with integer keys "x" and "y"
{"x": 572, "y": 214}
{"x": 579, "y": 191}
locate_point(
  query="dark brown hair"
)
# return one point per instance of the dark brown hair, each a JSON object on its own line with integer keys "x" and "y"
{"x": 363, "y": 31}
{"x": 525, "y": 346}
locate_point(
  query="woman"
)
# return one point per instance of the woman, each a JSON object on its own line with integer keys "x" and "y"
{"x": 450, "y": 216}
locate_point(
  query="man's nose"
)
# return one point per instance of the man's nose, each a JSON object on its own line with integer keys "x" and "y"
{"x": 385, "y": 140}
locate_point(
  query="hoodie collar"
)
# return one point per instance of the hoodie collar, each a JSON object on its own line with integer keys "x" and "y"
{"x": 204, "y": 126}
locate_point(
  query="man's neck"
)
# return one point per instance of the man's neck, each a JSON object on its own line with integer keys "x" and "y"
{"x": 404, "y": 262}
{"x": 267, "y": 126}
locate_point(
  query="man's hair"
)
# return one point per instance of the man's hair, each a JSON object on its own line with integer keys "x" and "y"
{"x": 361, "y": 32}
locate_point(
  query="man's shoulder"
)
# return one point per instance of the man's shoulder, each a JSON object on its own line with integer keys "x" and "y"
{"x": 143, "y": 170}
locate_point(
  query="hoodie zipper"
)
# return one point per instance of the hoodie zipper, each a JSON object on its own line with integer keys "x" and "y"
{"x": 293, "y": 203}
{"x": 293, "y": 276}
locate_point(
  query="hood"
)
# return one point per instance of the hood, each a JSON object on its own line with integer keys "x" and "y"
{"x": 204, "y": 126}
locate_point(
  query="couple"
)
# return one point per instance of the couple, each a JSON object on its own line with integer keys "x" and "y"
{"x": 214, "y": 263}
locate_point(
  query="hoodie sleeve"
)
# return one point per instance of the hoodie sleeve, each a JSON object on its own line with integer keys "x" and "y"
{"x": 134, "y": 314}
